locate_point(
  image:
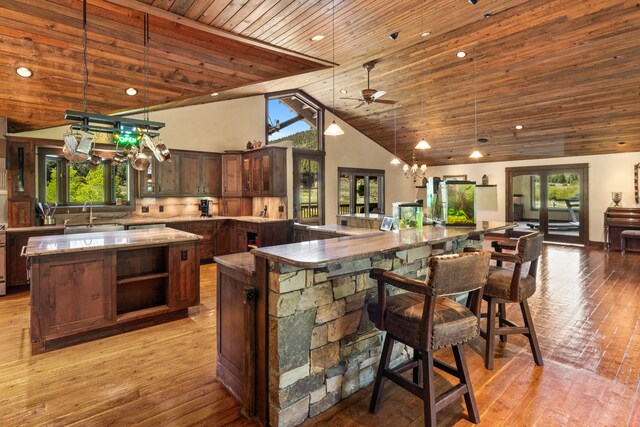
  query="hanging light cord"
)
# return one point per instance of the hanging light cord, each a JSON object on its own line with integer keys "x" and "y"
{"x": 146, "y": 66}
{"x": 333, "y": 60}
{"x": 395, "y": 134}
{"x": 85, "y": 68}
{"x": 475, "y": 96}
{"x": 424, "y": 76}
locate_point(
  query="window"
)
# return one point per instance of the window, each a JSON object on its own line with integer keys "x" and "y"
{"x": 561, "y": 187}
{"x": 360, "y": 191}
{"x": 293, "y": 117}
{"x": 74, "y": 184}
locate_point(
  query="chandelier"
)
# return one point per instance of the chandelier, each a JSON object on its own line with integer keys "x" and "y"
{"x": 415, "y": 172}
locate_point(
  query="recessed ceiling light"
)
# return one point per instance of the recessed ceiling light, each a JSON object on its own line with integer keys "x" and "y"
{"x": 519, "y": 127}
{"x": 343, "y": 91}
{"x": 425, "y": 34}
{"x": 215, "y": 94}
{"x": 621, "y": 143}
{"x": 24, "y": 72}
{"x": 483, "y": 140}
{"x": 131, "y": 91}
{"x": 317, "y": 38}
{"x": 461, "y": 54}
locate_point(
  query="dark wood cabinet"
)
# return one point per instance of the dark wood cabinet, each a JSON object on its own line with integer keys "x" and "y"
{"x": 264, "y": 172}
{"x": 17, "y": 264}
{"x": 200, "y": 174}
{"x": 247, "y": 235}
{"x": 232, "y": 175}
{"x": 20, "y": 165}
{"x": 161, "y": 178}
{"x": 184, "y": 273}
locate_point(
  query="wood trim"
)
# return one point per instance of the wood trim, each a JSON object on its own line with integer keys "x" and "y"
{"x": 172, "y": 17}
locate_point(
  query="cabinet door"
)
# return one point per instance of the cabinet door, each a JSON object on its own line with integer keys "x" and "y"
{"x": 265, "y": 177}
{"x": 72, "y": 293}
{"x": 147, "y": 180}
{"x": 232, "y": 175}
{"x": 211, "y": 175}
{"x": 167, "y": 176}
{"x": 221, "y": 237}
{"x": 277, "y": 173}
{"x": 16, "y": 264}
{"x": 246, "y": 175}
{"x": 184, "y": 277}
{"x": 256, "y": 174}
{"x": 191, "y": 181}
{"x": 20, "y": 170}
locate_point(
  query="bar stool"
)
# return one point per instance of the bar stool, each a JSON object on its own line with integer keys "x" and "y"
{"x": 426, "y": 320}
{"x": 505, "y": 286}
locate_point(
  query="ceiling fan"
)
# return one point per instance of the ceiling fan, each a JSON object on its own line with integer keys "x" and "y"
{"x": 368, "y": 95}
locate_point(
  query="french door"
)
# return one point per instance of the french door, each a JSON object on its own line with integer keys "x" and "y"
{"x": 553, "y": 199}
{"x": 308, "y": 188}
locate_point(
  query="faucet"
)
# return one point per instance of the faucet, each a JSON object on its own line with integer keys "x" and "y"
{"x": 84, "y": 209}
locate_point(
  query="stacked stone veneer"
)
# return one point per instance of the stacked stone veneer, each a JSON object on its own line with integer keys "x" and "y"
{"x": 322, "y": 345}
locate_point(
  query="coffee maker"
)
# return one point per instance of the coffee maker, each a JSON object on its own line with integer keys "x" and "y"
{"x": 206, "y": 208}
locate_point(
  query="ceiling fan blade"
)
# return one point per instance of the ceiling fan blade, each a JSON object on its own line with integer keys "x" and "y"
{"x": 384, "y": 101}
{"x": 353, "y": 99}
{"x": 378, "y": 94}
{"x": 359, "y": 105}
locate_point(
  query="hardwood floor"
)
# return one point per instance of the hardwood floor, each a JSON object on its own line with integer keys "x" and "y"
{"x": 586, "y": 312}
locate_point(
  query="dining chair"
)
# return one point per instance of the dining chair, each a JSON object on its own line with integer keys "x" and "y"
{"x": 425, "y": 319}
{"x": 512, "y": 285}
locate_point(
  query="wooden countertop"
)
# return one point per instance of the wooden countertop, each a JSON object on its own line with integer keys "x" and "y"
{"x": 68, "y": 243}
{"x": 319, "y": 253}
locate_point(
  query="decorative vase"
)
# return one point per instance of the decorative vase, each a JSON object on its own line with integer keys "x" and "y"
{"x": 485, "y": 180}
{"x": 616, "y": 197}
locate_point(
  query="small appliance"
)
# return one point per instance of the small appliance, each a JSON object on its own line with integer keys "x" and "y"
{"x": 206, "y": 208}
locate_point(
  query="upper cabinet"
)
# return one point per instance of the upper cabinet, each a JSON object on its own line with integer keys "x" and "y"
{"x": 161, "y": 179}
{"x": 264, "y": 172}
{"x": 200, "y": 174}
{"x": 232, "y": 175}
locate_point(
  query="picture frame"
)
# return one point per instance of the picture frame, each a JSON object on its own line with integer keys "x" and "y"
{"x": 461, "y": 177}
{"x": 387, "y": 223}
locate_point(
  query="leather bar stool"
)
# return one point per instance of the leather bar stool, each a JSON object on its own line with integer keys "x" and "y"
{"x": 425, "y": 319}
{"x": 507, "y": 286}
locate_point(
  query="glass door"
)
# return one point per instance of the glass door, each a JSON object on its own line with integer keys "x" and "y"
{"x": 552, "y": 199}
{"x": 307, "y": 189}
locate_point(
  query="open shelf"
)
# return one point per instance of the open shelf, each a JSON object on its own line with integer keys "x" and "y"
{"x": 141, "y": 278}
{"x": 487, "y": 185}
{"x": 151, "y": 311}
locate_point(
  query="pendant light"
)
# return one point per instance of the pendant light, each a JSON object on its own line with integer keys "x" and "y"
{"x": 476, "y": 153}
{"x": 423, "y": 144}
{"x": 333, "y": 129}
{"x": 395, "y": 160}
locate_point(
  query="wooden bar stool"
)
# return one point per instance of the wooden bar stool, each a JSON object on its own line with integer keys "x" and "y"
{"x": 506, "y": 286}
{"x": 426, "y": 320}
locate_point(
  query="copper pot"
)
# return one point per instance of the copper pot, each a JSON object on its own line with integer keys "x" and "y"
{"x": 140, "y": 161}
{"x": 94, "y": 161}
{"x": 163, "y": 152}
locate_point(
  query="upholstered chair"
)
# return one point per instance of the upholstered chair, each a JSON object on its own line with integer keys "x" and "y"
{"x": 425, "y": 319}
{"x": 509, "y": 285}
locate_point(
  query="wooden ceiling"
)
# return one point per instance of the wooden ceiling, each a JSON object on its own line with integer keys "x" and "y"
{"x": 567, "y": 70}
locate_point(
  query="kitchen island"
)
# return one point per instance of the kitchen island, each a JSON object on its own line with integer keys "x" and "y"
{"x": 85, "y": 286}
{"x": 314, "y": 343}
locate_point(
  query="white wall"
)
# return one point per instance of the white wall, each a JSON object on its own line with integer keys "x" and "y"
{"x": 607, "y": 173}
{"x": 354, "y": 150}
{"x": 217, "y": 126}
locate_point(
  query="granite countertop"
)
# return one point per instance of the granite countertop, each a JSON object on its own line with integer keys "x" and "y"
{"x": 148, "y": 220}
{"x": 363, "y": 216}
{"x": 319, "y": 253}
{"x": 243, "y": 262}
{"x": 68, "y": 243}
{"x": 343, "y": 230}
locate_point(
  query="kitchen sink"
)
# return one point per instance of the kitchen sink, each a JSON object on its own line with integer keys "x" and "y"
{"x": 94, "y": 228}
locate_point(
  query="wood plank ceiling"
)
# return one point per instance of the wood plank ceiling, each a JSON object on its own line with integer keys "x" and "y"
{"x": 567, "y": 70}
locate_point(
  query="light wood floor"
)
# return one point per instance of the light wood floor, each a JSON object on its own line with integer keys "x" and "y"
{"x": 586, "y": 311}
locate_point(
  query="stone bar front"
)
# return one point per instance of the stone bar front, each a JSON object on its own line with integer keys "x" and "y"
{"x": 321, "y": 345}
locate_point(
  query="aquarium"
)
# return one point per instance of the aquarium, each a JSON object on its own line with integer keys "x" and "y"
{"x": 407, "y": 215}
{"x": 459, "y": 202}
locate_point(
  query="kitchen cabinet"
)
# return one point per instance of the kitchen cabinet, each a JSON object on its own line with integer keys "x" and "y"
{"x": 17, "y": 264}
{"x": 161, "y": 178}
{"x": 264, "y": 172}
{"x": 200, "y": 174}
{"x": 231, "y": 175}
{"x": 247, "y": 235}
{"x": 88, "y": 293}
{"x": 207, "y": 230}
{"x": 20, "y": 165}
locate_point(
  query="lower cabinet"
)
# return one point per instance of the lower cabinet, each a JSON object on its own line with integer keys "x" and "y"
{"x": 85, "y": 295}
{"x": 16, "y": 264}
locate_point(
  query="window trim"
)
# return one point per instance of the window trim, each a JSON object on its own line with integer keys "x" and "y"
{"x": 109, "y": 187}
{"x": 366, "y": 173}
{"x": 305, "y": 98}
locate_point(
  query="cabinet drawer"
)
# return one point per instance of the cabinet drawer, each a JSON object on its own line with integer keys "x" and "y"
{"x": 247, "y": 226}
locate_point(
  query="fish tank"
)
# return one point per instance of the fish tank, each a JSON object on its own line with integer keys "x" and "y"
{"x": 407, "y": 215}
{"x": 458, "y": 202}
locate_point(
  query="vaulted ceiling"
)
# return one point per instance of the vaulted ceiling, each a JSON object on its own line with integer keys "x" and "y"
{"x": 566, "y": 70}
